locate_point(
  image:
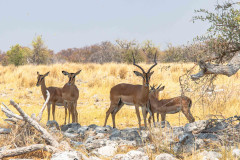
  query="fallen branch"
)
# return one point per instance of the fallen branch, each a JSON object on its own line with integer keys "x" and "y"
{"x": 43, "y": 108}
{"x": 48, "y": 137}
{"x": 228, "y": 70}
{"x": 6, "y": 106}
{"x": 8, "y": 120}
{"x": 33, "y": 121}
{"x": 24, "y": 150}
{"x": 10, "y": 114}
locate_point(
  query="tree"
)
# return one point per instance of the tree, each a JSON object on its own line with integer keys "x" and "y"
{"x": 127, "y": 48}
{"x": 18, "y": 55}
{"x": 3, "y": 58}
{"x": 107, "y": 52}
{"x": 222, "y": 40}
{"x": 149, "y": 49}
{"x": 40, "y": 51}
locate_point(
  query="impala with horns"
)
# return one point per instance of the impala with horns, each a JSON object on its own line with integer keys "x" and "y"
{"x": 70, "y": 94}
{"x": 55, "y": 94}
{"x": 168, "y": 106}
{"x": 130, "y": 94}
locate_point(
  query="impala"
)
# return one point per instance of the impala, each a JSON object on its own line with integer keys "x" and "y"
{"x": 168, "y": 106}
{"x": 70, "y": 94}
{"x": 55, "y": 95}
{"x": 130, "y": 94}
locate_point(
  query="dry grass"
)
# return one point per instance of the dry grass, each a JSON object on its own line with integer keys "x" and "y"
{"x": 19, "y": 84}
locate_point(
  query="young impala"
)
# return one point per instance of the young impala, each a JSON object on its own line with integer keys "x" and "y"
{"x": 70, "y": 94}
{"x": 169, "y": 106}
{"x": 55, "y": 94}
{"x": 130, "y": 94}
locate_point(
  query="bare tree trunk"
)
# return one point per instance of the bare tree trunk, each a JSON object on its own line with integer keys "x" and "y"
{"x": 228, "y": 70}
{"x": 24, "y": 150}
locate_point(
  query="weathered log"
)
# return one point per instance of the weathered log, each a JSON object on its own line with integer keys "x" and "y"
{"x": 228, "y": 70}
{"x": 14, "y": 120}
{"x": 10, "y": 114}
{"x": 48, "y": 137}
{"x": 39, "y": 117}
{"x": 24, "y": 150}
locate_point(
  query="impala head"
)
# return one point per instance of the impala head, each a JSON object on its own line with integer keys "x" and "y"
{"x": 155, "y": 91}
{"x": 40, "y": 78}
{"x": 145, "y": 75}
{"x": 71, "y": 76}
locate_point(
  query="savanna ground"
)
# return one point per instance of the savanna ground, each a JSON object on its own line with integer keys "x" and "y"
{"x": 95, "y": 82}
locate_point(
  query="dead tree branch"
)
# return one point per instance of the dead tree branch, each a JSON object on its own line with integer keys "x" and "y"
{"x": 24, "y": 150}
{"x": 228, "y": 70}
{"x": 10, "y": 114}
{"x": 49, "y": 138}
{"x": 54, "y": 145}
{"x": 43, "y": 108}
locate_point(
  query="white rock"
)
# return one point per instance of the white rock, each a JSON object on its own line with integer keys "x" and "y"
{"x": 236, "y": 153}
{"x": 121, "y": 157}
{"x": 67, "y": 155}
{"x": 197, "y": 126}
{"x": 165, "y": 156}
{"x": 111, "y": 143}
{"x": 210, "y": 155}
{"x": 100, "y": 136}
{"x": 94, "y": 158}
{"x": 137, "y": 155}
{"x": 127, "y": 143}
{"x": 107, "y": 151}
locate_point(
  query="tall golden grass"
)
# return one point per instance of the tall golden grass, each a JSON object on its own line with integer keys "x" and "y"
{"x": 95, "y": 82}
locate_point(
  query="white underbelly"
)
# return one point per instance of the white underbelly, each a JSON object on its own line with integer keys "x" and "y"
{"x": 128, "y": 103}
{"x": 127, "y": 100}
{"x": 174, "y": 111}
{"x": 59, "y": 104}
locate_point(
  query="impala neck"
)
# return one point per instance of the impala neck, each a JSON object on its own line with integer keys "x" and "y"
{"x": 44, "y": 89}
{"x": 145, "y": 91}
{"x": 152, "y": 98}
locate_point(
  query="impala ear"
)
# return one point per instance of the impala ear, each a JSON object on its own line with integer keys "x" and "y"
{"x": 160, "y": 89}
{"x": 46, "y": 74}
{"x": 138, "y": 73}
{"x": 78, "y": 72}
{"x": 65, "y": 73}
{"x": 150, "y": 74}
{"x": 38, "y": 73}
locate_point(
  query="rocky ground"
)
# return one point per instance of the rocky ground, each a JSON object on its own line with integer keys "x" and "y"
{"x": 203, "y": 138}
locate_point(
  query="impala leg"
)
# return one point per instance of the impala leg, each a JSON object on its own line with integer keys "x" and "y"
{"x": 69, "y": 111}
{"x": 110, "y": 110}
{"x": 65, "y": 106}
{"x": 163, "y": 116}
{"x": 154, "y": 120}
{"x": 157, "y": 117}
{"x": 149, "y": 119}
{"x": 138, "y": 116}
{"x": 48, "y": 109}
{"x": 144, "y": 110}
{"x": 53, "y": 110}
{"x": 188, "y": 115}
{"x": 73, "y": 112}
{"x": 114, "y": 112}
{"x": 76, "y": 112}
